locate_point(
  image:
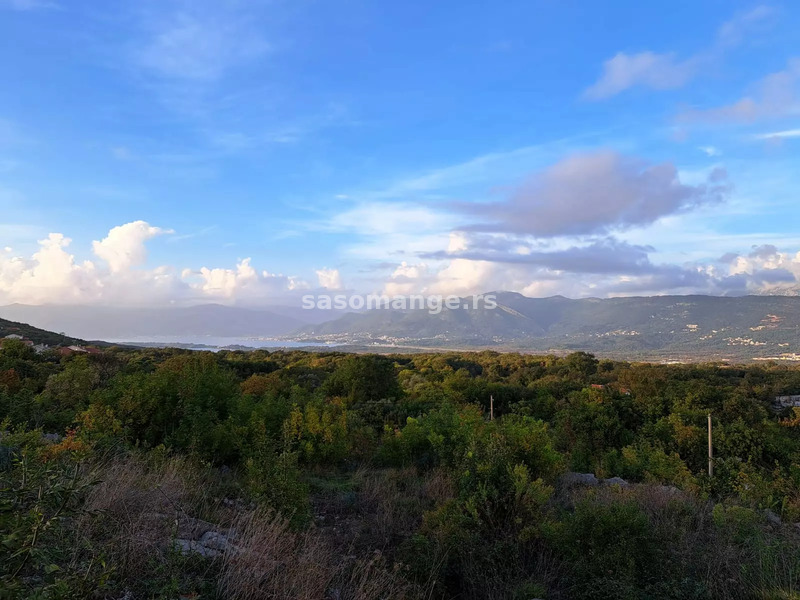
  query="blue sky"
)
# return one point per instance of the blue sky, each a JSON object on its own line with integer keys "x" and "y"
{"x": 247, "y": 152}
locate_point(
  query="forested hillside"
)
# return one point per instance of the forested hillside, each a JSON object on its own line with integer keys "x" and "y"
{"x": 37, "y": 336}
{"x": 684, "y": 327}
{"x": 432, "y": 476}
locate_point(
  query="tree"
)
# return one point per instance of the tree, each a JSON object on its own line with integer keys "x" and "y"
{"x": 363, "y": 379}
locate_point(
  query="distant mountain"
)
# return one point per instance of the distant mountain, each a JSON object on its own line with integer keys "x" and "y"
{"x": 121, "y": 323}
{"x": 737, "y": 327}
{"x": 36, "y": 335}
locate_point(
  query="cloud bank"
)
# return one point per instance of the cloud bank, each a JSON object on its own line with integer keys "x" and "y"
{"x": 118, "y": 275}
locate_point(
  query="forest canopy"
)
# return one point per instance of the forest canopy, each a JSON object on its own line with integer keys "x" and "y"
{"x": 443, "y": 475}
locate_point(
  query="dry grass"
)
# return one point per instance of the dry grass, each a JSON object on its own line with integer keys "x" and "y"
{"x": 139, "y": 507}
{"x": 371, "y": 579}
{"x": 269, "y": 560}
{"x": 140, "y": 510}
{"x": 129, "y": 487}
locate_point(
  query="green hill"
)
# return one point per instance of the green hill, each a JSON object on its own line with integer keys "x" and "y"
{"x": 36, "y": 335}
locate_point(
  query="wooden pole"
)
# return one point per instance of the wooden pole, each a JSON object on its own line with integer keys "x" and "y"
{"x": 710, "y": 450}
{"x": 491, "y": 408}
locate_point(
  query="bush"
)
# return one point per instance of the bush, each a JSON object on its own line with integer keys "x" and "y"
{"x": 610, "y": 549}
{"x": 40, "y": 555}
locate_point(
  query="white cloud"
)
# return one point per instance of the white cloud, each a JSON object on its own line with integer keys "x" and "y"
{"x": 778, "y": 135}
{"x": 710, "y": 150}
{"x": 52, "y": 275}
{"x": 775, "y": 96}
{"x": 474, "y": 264}
{"x": 457, "y": 242}
{"x": 665, "y": 71}
{"x": 645, "y": 69}
{"x": 464, "y": 277}
{"x": 201, "y": 41}
{"x": 407, "y": 279}
{"x": 330, "y": 279}
{"x": 383, "y": 218}
{"x": 123, "y": 247}
{"x": 762, "y": 264}
{"x": 244, "y": 283}
{"x": 734, "y": 31}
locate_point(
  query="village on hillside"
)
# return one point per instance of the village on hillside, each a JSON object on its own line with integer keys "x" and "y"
{"x": 39, "y": 348}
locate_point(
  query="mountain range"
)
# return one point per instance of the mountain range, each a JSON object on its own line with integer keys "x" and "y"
{"x": 672, "y": 327}
{"x": 677, "y": 326}
{"x": 126, "y": 323}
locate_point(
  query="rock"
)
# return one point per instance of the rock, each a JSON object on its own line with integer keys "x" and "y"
{"x": 214, "y": 540}
{"x": 616, "y": 481}
{"x": 575, "y": 479}
{"x": 193, "y": 529}
{"x": 187, "y": 547}
{"x": 772, "y": 518}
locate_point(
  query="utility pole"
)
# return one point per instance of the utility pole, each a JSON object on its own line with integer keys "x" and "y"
{"x": 710, "y": 450}
{"x": 491, "y": 408}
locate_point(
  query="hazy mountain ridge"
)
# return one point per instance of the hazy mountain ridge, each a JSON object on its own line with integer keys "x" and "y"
{"x": 750, "y": 326}
{"x": 108, "y": 322}
{"x": 635, "y": 327}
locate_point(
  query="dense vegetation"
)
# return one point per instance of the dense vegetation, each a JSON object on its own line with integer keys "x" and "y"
{"x": 36, "y": 335}
{"x": 328, "y": 475}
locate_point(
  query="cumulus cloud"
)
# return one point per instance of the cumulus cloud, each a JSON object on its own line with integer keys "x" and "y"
{"x": 463, "y": 277}
{"x": 330, "y": 279}
{"x": 124, "y": 247}
{"x": 600, "y": 267}
{"x": 407, "y": 279}
{"x": 53, "y": 275}
{"x": 596, "y": 193}
{"x": 765, "y": 269}
{"x": 244, "y": 283}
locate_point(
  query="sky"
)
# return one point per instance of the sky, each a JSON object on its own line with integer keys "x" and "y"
{"x": 249, "y": 152}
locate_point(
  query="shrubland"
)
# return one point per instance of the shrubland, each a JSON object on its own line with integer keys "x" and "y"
{"x": 287, "y": 474}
